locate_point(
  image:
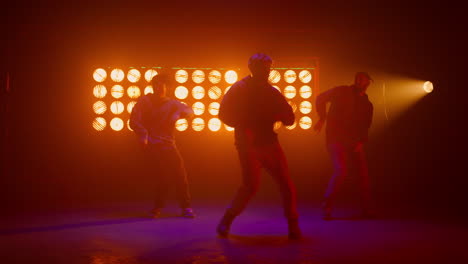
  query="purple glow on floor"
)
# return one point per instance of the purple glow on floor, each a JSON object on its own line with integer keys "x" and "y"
{"x": 124, "y": 234}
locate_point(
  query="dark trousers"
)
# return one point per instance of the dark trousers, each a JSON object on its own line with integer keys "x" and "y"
{"x": 167, "y": 166}
{"x": 345, "y": 156}
{"x": 252, "y": 160}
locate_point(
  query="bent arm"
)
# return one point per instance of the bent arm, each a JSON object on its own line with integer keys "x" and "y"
{"x": 285, "y": 114}
{"x": 322, "y": 100}
{"x": 228, "y": 110}
{"x": 137, "y": 123}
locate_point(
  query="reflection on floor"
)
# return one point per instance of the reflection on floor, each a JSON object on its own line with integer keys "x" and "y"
{"x": 125, "y": 234}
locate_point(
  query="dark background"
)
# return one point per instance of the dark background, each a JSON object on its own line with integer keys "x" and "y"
{"x": 53, "y": 158}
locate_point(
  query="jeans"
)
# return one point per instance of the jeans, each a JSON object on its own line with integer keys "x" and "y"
{"x": 272, "y": 158}
{"x": 166, "y": 163}
{"x": 343, "y": 157}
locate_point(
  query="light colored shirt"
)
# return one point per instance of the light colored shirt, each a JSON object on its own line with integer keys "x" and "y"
{"x": 153, "y": 119}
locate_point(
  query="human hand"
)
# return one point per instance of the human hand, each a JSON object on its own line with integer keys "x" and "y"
{"x": 144, "y": 144}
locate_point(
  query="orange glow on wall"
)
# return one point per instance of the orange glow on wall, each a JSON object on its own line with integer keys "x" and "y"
{"x": 116, "y": 124}
{"x": 181, "y": 92}
{"x": 181, "y": 76}
{"x": 128, "y": 125}
{"x": 305, "y": 91}
{"x": 130, "y": 106}
{"x": 117, "y": 91}
{"x": 198, "y": 124}
{"x": 305, "y": 76}
{"x": 99, "y": 91}
{"x": 213, "y": 108}
{"x": 117, "y": 75}
{"x": 149, "y": 89}
{"x": 214, "y": 76}
{"x": 133, "y": 92}
{"x": 230, "y": 77}
{"x": 289, "y": 92}
{"x": 290, "y": 76}
{"x": 100, "y": 75}
{"x": 99, "y": 107}
{"x": 214, "y": 124}
{"x": 198, "y": 108}
{"x": 293, "y": 106}
{"x": 198, "y": 76}
{"x": 228, "y": 128}
{"x": 215, "y": 93}
{"x": 274, "y": 76}
{"x": 198, "y": 92}
{"x": 291, "y": 127}
{"x": 305, "y": 107}
{"x": 149, "y": 74}
{"x": 99, "y": 123}
{"x": 117, "y": 107}
{"x": 305, "y": 122}
{"x": 181, "y": 124}
{"x": 133, "y": 75}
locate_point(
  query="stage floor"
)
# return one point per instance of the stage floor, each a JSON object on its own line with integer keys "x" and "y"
{"x": 124, "y": 234}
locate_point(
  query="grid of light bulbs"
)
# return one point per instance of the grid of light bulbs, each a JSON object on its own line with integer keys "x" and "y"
{"x": 117, "y": 91}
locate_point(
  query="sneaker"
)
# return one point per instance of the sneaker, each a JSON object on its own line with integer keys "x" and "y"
{"x": 326, "y": 212}
{"x": 156, "y": 213}
{"x": 294, "y": 230}
{"x": 224, "y": 225}
{"x": 188, "y": 213}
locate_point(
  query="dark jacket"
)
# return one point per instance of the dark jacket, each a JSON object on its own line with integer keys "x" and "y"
{"x": 349, "y": 116}
{"x": 252, "y": 108}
